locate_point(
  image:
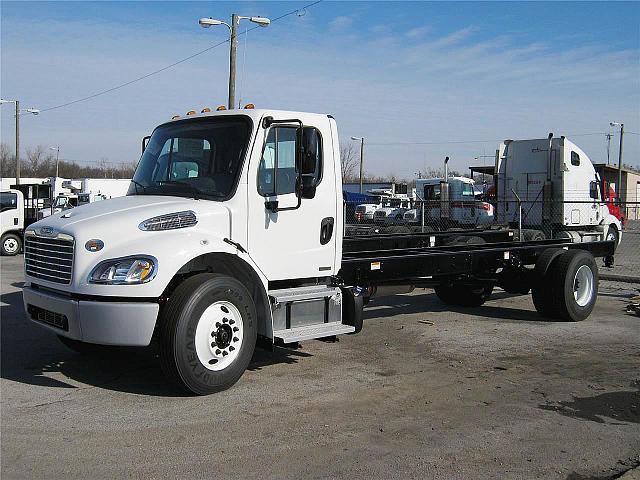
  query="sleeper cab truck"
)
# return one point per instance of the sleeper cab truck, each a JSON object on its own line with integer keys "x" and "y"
{"x": 232, "y": 232}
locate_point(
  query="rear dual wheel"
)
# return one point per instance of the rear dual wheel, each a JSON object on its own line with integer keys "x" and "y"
{"x": 208, "y": 333}
{"x": 569, "y": 288}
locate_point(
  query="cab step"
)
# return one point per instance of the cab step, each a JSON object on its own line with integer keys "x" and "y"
{"x": 310, "y": 332}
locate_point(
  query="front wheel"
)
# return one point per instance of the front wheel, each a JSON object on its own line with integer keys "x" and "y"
{"x": 11, "y": 244}
{"x": 208, "y": 333}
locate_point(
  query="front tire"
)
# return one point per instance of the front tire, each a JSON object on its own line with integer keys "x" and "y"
{"x": 11, "y": 244}
{"x": 208, "y": 333}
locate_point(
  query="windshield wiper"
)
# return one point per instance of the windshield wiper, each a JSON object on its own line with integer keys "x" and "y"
{"x": 138, "y": 184}
{"x": 196, "y": 191}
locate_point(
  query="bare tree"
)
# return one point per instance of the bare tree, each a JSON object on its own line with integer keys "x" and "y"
{"x": 349, "y": 162}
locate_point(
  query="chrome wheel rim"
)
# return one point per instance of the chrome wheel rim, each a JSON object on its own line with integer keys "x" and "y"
{"x": 583, "y": 284}
{"x": 10, "y": 245}
{"x": 611, "y": 236}
{"x": 219, "y": 335}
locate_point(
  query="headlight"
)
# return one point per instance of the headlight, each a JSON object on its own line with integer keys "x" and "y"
{"x": 124, "y": 271}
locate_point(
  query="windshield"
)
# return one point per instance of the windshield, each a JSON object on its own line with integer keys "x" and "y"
{"x": 65, "y": 202}
{"x": 195, "y": 158}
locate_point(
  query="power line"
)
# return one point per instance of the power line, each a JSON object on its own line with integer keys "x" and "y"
{"x": 454, "y": 142}
{"x": 155, "y": 72}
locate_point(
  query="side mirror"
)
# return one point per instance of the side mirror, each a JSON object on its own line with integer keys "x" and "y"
{"x": 593, "y": 190}
{"x": 309, "y": 150}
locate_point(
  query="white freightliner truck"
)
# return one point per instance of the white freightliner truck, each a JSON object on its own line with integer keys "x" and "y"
{"x": 550, "y": 185}
{"x": 232, "y": 231}
{"x": 11, "y": 221}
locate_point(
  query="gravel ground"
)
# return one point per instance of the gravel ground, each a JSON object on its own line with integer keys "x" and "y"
{"x": 422, "y": 392}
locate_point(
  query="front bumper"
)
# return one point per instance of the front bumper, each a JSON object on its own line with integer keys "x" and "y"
{"x": 101, "y": 322}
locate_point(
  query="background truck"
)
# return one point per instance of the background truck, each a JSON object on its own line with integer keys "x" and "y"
{"x": 232, "y": 232}
{"x": 20, "y": 206}
{"x": 86, "y": 190}
{"x": 550, "y": 185}
{"x": 462, "y": 208}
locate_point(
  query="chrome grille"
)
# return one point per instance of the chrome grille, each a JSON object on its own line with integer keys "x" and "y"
{"x": 49, "y": 258}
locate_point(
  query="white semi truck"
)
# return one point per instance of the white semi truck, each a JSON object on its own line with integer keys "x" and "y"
{"x": 232, "y": 231}
{"x": 550, "y": 185}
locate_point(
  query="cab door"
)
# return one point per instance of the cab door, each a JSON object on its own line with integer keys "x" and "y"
{"x": 291, "y": 238}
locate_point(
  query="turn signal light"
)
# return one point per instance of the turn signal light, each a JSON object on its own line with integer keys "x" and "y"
{"x": 205, "y": 110}
{"x": 191, "y": 112}
{"x": 220, "y": 108}
{"x": 250, "y": 106}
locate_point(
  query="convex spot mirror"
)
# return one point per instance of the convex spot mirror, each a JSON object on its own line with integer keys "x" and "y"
{"x": 309, "y": 152}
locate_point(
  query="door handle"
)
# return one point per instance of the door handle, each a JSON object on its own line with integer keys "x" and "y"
{"x": 326, "y": 230}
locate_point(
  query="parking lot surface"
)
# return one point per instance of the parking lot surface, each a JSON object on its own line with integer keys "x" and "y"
{"x": 423, "y": 392}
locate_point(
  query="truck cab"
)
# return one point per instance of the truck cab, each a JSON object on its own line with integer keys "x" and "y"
{"x": 251, "y": 192}
{"x": 556, "y": 186}
{"x": 11, "y": 221}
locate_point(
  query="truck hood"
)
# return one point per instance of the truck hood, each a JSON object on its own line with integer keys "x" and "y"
{"x": 122, "y": 214}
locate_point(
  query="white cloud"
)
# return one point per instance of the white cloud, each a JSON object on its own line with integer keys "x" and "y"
{"x": 455, "y": 87}
{"x": 418, "y": 31}
{"x": 341, "y": 22}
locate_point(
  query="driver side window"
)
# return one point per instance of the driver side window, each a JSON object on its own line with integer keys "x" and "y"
{"x": 277, "y": 170}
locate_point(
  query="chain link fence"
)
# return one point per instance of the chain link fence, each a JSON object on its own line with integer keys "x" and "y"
{"x": 580, "y": 221}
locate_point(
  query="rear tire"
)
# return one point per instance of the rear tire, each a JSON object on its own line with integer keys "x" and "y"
{"x": 574, "y": 278}
{"x": 11, "y": 244}
{"x": 541, "y": 289}
{"x": 208, "y": 333}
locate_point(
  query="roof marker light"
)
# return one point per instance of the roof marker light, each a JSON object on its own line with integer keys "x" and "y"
{"x": 175, "y": 116}
{"x": 220, "y": 108}
{"x": 250, "y": 106}
{"x": 191, "y": 112}
{"x": 205, "y": 110}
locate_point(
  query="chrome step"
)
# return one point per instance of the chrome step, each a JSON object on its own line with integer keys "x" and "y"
{"x": 302, "y": 293}
{"x": 310, "y": 332}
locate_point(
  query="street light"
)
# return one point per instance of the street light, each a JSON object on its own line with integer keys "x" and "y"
{"x": 361, "y": 140}
{"x": 619, "y": 186}
{"x": 33, "y": 111}
{"x": 57, "y": 150}
{"x": 233, "y": 40}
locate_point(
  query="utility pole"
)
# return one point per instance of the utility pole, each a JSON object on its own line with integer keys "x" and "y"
{"x": 232, "y": 61}
{"x": 17, "y": 102}
{"x": 620, "y": 165}
{"x": 233, "y": 41}
{"x": 57, "y": 149}
{"x": 608, "y": 135}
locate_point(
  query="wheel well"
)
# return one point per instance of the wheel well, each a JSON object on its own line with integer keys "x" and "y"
{"x": 233, "y": 266}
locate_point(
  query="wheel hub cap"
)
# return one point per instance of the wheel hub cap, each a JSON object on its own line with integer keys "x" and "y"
{"x": 219, "y": 335}
{"x": 583, "y": 286}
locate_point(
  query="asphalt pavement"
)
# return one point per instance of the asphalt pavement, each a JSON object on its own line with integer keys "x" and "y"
{"x": 422, "y": 392}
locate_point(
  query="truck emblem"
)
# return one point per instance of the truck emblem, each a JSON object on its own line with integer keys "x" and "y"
{"x": 48, "y": 232}
{"x": 94, "y": 245}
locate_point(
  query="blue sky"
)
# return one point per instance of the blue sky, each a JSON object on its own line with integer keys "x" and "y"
{"x": 395, "y": 72}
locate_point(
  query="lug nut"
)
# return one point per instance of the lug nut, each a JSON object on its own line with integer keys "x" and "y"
{"x": 225, "y": 353}
{"x": 231, "y": 349}
{"x": 235, "y": 339}
{"x": 235, "y": 329}
{"x": 231, "y": 322}
{"x": 217, "y": 351}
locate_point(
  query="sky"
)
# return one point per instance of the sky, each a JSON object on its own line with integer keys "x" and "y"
{"x": 419, "y": 80}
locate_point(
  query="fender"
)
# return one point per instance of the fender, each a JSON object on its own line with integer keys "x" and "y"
{"x": 607, "y": 221}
